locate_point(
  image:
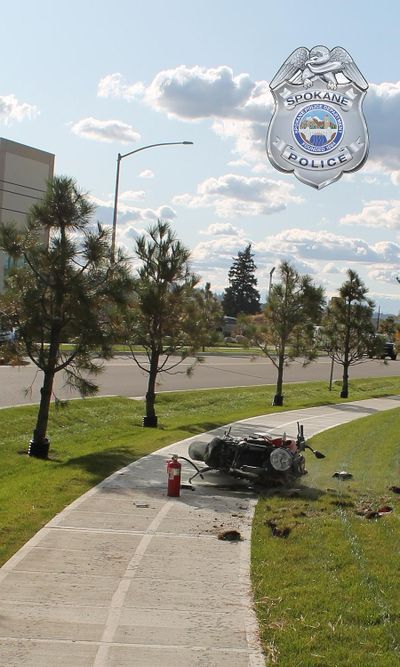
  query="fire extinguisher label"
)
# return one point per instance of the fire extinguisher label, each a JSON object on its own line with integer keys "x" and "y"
{"x": 173, "y": 472}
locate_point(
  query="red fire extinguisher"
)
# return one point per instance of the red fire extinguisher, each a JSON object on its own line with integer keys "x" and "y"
{"x": 174, "y": 476}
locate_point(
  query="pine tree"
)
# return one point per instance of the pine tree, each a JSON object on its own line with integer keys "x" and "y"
{"x": 348, "y": 332}
{"x": 242, "y": 296}
{"x": 61, "y": 291}
{"x": 166, "y": 316}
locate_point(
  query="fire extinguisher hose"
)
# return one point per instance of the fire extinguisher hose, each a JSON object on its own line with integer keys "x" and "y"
{"x": 192, "y": 464}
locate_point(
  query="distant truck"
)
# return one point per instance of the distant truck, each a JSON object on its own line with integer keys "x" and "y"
{"x": 383, "y": 348}
{"x": 389, "y": 350}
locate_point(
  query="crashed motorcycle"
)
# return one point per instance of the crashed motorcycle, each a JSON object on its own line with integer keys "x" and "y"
{"x": 259, "y": 458}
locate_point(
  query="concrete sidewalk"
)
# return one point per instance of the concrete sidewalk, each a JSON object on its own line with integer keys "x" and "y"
{"x": 127, "y": 576}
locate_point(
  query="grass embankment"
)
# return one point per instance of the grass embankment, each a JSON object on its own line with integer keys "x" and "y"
{"x": 329, "y": 594}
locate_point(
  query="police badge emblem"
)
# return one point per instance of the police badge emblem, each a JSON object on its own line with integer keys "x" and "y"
{"x": 318, "y": 129}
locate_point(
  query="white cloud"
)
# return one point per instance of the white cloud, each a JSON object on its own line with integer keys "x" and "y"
{"x": 132, "y": 213}
{"x": 388, "y": 250}
{"x": 105, "y": 130}
{"x": 147, "y": 173}
{"x": 238, "y": 106}
{"x": 218, "y": 252}
{"x": 238, "y": 163}
{"x": 248, "y": 136}
{"x": 329, "y": 247}
{"x": 131, "y": 195}
{"x": 377, "y": 213}
{"x": 262, "y": 168}
{"x": 213, "y": 259}
{"x": 129, "y": 214}
{"x": 371, "y": 180}
{"x": 330, "y": 268}
{"x": 385, "y": 274}
{"x": 166, "y": 212}
{"x": 196, "y": 92}
{"x": 222, "y": 229}
{"x": 382, "y": 109}
{"x": 233, "y": 195}
{"x": 113, "y": 85}
{"x": 126, "y": 237}
{"x": 323, "y": 255}
{"x": 12, "y": 110}
{"x": 395, "y": 177}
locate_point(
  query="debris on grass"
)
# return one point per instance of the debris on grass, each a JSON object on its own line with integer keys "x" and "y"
{"x": 342, "y": 475}
{"x": 230, "y": 535}
{"x": 277, "y": 531}
{"x": 370, "y": 513}
{"x": 385, "y": 509}
{"x": 395, "y": 489}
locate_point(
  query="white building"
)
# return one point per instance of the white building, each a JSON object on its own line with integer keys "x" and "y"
{"x": 23, "y": 175}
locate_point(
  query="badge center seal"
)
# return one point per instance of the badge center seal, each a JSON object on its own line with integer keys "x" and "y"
{"x": 318, "y": 128}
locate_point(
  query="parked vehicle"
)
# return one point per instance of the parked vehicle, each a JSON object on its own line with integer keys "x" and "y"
{"x": 382, "y": 348}
{"x": 227, "y": 326}
{"x": 390, "y": 350}
{"x": 259, "y": 458}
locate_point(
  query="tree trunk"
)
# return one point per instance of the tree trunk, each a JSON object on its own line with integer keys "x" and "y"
{"x": 278, "y": 398}
{"x": 345, "y": 382}
{"x": 39, "y": 445}
{"x": 151, "y": 419}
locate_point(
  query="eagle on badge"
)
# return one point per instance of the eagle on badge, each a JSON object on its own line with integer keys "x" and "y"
{"x": 304, "y": 66}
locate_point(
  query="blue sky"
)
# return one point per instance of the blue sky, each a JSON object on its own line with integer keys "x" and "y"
{"x": 86, "y": 80}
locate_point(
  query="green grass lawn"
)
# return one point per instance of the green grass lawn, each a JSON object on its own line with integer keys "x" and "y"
{"x": 329, "y": 594}
{"x": 223, "y": 348}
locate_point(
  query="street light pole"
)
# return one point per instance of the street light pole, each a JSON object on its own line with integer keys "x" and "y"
{"x": 119, "y": 158}
{"x": 270, "y": 280}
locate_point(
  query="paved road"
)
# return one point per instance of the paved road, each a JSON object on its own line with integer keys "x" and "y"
{"x": 126, "y": 576}
{"x": 122, "y": 377}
